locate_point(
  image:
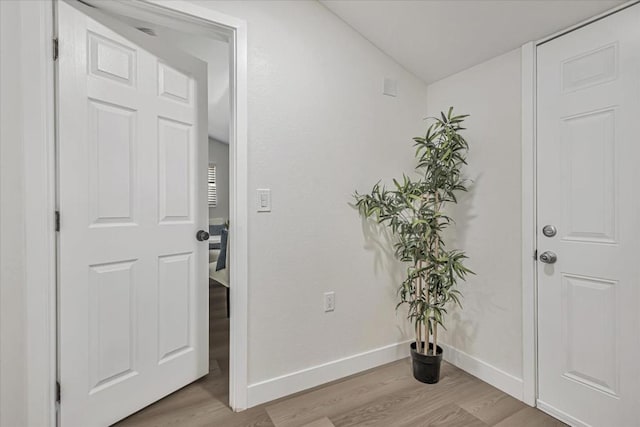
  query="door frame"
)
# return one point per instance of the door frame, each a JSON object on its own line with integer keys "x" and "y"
{"x": 40, "y": 189}
{"x": 529, "y": 213}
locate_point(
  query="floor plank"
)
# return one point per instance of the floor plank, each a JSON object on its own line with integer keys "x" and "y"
{"x": 449, "y": 415}
{"x": 492, "y": 406}
{"x": 340, "y": 397}
{"x": 322, "y": 422}
{"x": 530, "y": 417}
{"x": 413, "y": 403}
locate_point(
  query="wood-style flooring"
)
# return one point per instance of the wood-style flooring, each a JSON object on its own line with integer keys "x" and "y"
{"x": 386, "y": 396}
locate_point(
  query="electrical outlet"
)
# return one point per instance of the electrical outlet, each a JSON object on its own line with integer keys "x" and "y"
{"x": 329, "y": 301}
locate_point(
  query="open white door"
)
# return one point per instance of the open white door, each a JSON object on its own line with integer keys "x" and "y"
{"x": 133, "y": 289}
{"x": 588, "y": 142}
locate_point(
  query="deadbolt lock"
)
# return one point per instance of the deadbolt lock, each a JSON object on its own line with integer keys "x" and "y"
{"x": 549, "y": 230}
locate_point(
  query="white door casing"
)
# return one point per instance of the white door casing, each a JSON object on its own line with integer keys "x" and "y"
{"x": 132, "y": 153}
{"x": 588, "y": 145}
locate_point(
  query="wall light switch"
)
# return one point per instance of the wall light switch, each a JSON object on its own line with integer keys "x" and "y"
{"x": 264, "y": 199}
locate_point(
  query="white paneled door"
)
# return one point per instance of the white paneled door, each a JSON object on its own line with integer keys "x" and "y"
{"x": 588, "y": 169}
{"x": 132, "y": 152}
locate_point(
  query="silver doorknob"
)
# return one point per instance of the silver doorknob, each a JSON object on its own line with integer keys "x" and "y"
{"x": 548, "y": 257}
{"x": 202, "y": 235}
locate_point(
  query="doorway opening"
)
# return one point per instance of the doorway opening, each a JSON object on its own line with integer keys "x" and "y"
{"x": 220, "y": 42}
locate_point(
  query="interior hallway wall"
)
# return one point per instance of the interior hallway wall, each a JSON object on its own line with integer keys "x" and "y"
{"x": 13, "y": 375}
{"x": 486, "y": 335}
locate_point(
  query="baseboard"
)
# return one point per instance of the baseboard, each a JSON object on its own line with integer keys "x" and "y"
{"x": 562, "y": 416}
{"x": 488, "y": 373}
{"x": 284, "y": 385}
{"x": 274, "y": 388}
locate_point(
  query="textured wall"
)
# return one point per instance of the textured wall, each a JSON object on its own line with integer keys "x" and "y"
{"x": 489, "y": 216}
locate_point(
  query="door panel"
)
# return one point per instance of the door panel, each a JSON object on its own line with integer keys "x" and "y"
{"x": 588, "y": 144}
{"x": 174, "y": 288}
{"x": 111, "y": 139}
{"x": 111, "y": 339}
{"x": 133, "y": 305}
{"x": 175, "y": 166}
{"x": 594, "y": 364}
{"x": 172, "y": 84}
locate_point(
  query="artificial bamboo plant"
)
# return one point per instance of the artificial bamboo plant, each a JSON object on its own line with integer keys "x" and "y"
{"x": 414, "y": 210}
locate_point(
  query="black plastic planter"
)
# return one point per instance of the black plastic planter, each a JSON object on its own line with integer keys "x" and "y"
{"x": 426, "y": 367}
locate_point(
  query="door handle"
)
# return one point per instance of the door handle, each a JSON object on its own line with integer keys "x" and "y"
{"x": 202, "y": 235}
{"x": 548, "y": 257}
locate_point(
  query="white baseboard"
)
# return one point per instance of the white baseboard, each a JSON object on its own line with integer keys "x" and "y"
{"x": 284, "y": 385}
{"x": 562, "y": 416}
{"x": 274, "y": 388}
{"x": 488, "y": 373}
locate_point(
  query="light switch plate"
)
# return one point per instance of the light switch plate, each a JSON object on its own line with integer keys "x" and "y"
{"x": 263, "y": 199}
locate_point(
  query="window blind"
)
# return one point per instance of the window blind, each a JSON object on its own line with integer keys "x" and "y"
{"x": 212, "y": 191}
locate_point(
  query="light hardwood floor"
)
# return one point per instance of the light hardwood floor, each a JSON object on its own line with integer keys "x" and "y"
{"x": 386, "y": 396}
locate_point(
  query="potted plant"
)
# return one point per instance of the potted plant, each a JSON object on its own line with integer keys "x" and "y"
{"x": 414, "y": 210}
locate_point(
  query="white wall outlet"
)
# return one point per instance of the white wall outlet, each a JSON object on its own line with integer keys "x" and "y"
{"x": 264, "y": 199}
{"x": 329, "y": 301}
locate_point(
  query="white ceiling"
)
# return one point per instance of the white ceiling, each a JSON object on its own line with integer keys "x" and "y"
{"x": 434, "y": 39}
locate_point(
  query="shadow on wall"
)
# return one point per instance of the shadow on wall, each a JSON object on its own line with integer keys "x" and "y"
{"x": 463, "y": 215}
{"x": 379, "y": 241}
{"x": 462, "y": 330}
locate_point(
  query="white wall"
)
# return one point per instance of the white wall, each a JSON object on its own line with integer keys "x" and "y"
{"x": 489, "y": 328}
{"x": 219, "y": 155}
{"x": 12, "y": 275}
{"x": 27, "y": 374}
{"x": 319, "y": 128}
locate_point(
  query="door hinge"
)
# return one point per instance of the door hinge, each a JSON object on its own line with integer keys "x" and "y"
{"x": 57, "y": 220}
{"x": 55, "y": 49}
{"x": 535, "y": 255}
{"x": 58, "y": 391}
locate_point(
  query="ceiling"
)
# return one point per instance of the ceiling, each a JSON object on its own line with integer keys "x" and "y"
{"x": 434, "y": 39}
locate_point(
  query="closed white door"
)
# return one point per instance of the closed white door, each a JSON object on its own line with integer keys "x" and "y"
{"x": 133, "y": 304}
{"x": 588, "y": 157}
